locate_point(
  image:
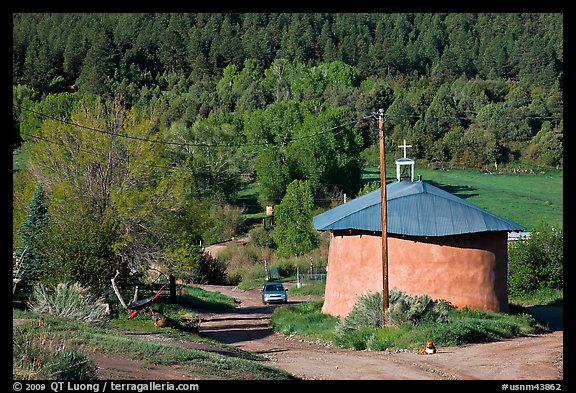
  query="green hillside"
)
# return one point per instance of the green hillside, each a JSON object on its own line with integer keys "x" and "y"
{"x": 150, "y": 134}
{"x": 524, "y": 198}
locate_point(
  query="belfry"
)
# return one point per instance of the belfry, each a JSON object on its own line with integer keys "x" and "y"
{"x": 404, "y": 166}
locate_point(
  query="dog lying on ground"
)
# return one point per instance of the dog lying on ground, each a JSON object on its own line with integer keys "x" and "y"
{"x": 427, "y": 349}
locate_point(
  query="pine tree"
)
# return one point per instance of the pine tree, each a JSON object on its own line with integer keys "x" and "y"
{"x": 98, "y": 66}
{"x": 30, "y": 232}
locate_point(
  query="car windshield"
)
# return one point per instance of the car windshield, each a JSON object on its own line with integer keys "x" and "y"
{"x": 274, "y": 287}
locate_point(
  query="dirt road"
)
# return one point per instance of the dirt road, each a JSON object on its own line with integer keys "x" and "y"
{"x": 214, "y": 249}
{"x": 537, "y": 357}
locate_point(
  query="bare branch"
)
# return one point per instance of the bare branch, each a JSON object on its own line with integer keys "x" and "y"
{"x": 117, "y": 292}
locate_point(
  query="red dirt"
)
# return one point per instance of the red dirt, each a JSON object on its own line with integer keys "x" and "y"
{"x": 121, "y": 368}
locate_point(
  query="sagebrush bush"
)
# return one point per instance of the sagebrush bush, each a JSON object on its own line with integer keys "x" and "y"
{"x": 72, "y": 302}
{"x": 414, "y": 309}
{"x": 403, "y": 309}
{"x": 456, "y": 327}
{"x": 367, "y": 312}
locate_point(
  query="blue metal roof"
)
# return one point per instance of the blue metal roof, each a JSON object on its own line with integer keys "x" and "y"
{"x": 413, "y": 208}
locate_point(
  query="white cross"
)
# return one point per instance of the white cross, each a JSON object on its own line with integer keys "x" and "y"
{"x": 404, "y": 147}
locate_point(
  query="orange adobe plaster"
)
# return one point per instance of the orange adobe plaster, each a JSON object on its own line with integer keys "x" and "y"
{"x": 467, "y": 270}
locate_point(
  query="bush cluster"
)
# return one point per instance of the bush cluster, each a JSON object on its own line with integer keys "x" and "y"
{"x": 415, "y": 309}
{"x": 403, "y": 309}
{"x": 537, "y": 262}
{"x": 70, "y": 301}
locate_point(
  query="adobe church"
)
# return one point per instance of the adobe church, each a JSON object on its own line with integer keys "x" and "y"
{"x": 438, "y": 244}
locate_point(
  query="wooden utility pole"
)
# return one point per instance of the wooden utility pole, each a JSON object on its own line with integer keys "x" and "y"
{"x": 384, "y": 231}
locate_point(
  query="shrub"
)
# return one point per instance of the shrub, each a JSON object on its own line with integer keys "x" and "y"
{"x": 71, "y": 302}
{"x": 262, "y": 237}
{"x": 536, "y": 262}
{"x": 367, "y": 312}
{"x": 403, "y": 309}
{"x": 243, "y": 262}
{"x": 245, "y": 274}
{"x": 197, "y": 267}
{"x": 209, "y": 270}
{"x": 287, "y": 266}
{"x": 414, "y": 309}
{"x": 225, "y": 221}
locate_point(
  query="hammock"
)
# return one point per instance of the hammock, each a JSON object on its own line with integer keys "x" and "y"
{"x": 143, "y": 303}
{"x": 139, "y": 305}
{"x": 136, "y": 306}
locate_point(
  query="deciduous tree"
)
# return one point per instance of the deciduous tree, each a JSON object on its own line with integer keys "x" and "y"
{"x": 293, "y": 232}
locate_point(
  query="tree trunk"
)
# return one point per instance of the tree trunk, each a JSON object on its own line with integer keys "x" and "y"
{"x": 172, "y": 289}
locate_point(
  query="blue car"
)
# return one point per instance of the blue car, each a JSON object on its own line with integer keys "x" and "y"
{"x": 274, "y": 292}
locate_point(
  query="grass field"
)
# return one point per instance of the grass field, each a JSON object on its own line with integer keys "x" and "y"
{"x": 526, "y": 199}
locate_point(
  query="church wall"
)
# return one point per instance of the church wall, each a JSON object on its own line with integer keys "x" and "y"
{"x": 354, "y": 268}
{"x": 467, "y": 270}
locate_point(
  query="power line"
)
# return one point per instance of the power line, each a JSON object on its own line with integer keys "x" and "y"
{"x": 185, "y": 144}
{"x": 267, "y": 144}
{"x": 181, "y": 169}
{"x": 392, "y": 115}
{"x": 194, "y": 170}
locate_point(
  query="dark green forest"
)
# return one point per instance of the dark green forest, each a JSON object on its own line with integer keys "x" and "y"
{"x": 144, "y": 129}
